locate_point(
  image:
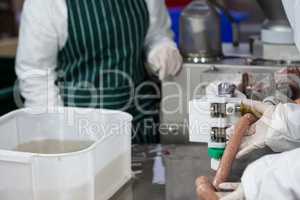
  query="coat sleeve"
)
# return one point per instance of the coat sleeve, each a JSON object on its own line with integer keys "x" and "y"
{"x": 159, "y": 33}
{"x": 273, "y": 177}
{"x": 37, "y": 55}
{"x": 283, "y": 133}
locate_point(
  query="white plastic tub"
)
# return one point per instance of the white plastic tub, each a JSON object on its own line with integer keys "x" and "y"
{"x": 95, "y": 173}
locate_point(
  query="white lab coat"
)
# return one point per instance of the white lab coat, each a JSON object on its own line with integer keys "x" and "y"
{"x": 277, "y": 177}
{"x": 283, "y": 133}
{"x": 274, "y": 177}
{"x": 44, "y": 31}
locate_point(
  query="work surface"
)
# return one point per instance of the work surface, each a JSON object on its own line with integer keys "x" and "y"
{"x": 183, "y": 164}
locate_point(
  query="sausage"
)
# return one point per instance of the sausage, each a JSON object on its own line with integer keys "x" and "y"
{"x": 232, "y": 149}
{"x": 205, "y": 190}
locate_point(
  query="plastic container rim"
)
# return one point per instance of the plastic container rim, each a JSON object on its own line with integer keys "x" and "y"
{"x": 70, "y": 154}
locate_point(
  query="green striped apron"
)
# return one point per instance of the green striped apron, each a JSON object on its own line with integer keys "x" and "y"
{"x": 102, "y": 65}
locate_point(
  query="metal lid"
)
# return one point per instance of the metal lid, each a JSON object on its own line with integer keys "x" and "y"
{"x": 226, "y": 89}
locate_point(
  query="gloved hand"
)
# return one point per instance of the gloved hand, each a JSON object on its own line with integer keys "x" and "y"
{"x": 256, "y": 135}
{"x": 165, "y": 60}
{"x": 229, "y": 191}
{"x": 237, "y": 194}
{"x": 257, "y": 105}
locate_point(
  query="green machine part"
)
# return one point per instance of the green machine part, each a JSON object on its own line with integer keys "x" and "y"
{"x": 216, "y": 153}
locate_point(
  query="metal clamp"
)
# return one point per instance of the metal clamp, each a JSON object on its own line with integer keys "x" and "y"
{"x": 218, "y": 134}
{"x": 218, "y": 110}
{"x": 222, "y": 110}
{"x": 226, "y": 89}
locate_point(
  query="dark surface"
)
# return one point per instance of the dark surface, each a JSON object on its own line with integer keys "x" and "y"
{"x": 141, "y": 187}
{"x": 7, "y": 83}
{"x": 7, "y": 71}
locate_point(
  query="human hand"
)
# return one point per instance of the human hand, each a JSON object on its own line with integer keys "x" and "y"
{"x": 228, "y": 191}
{"x": 165, "y": 60}
{"x": 205, "y": 189}
{"x": 255, "y": 137}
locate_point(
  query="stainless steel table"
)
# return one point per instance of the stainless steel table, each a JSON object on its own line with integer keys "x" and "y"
{"x": 141, "y": 187}
{"x": 183, "y": 163}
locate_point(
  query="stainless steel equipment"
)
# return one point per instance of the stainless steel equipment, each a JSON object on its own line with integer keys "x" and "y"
{"x": 226, "y": 89}
{"x": 200, "y": 34}
{"x": 191, "y": 84}
{"x": 200, "y": 41}
{"x": 277, "y": 40}
{"x": 276, "y": 29}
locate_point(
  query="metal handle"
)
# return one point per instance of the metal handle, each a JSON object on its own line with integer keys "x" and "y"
{"x": 234, "y": 22}
{"x": 236, "y": 34}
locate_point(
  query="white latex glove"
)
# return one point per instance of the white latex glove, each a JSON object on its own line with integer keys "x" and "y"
{"x": 256, "y": 135}
{"x": 237, "y": 194}
{"x": 255, "y": 141}
{"x": 165, "y": 60}
{"x": 274, "y": 177}
{"x": 283, "y": 135}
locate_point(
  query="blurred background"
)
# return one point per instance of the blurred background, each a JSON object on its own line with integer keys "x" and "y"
{"x": 246, "y": 11}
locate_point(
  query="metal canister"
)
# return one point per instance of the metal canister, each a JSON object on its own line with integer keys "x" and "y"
{"x": 200, "y": 33}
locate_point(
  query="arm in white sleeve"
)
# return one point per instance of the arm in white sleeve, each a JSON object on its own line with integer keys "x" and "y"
{"x": 159, "y": 33}
{"x": 273, "y": 177}
{"x": 37, "y": 55}
{"x": 283, "y": 133}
